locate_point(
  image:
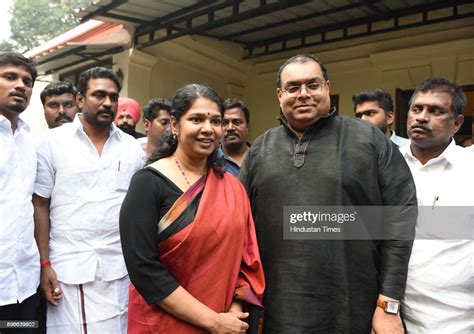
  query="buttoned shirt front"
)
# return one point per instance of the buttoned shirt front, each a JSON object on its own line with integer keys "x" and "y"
{"x": 19, "y": 258}
{"x": 439, "y": 294}
{"x": 86, "y": 191}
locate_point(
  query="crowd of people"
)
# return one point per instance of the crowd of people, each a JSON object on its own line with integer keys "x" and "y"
{"x": 182, "y": 229}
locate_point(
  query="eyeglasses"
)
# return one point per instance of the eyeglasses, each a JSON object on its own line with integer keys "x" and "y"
{"x": 311, "y": 88}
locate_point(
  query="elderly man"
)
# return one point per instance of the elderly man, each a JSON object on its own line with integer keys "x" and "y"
{"x": 84, "y": 169}
{"x": 19, "y": 259}
{"x": 440, "y": 284}
{"x": 319, "y": 159}
{"x": 376, "y": 107}
{"x": 127, "y": 117}
{"x": 235, "y": 123}
{"x": 59, "y": 103}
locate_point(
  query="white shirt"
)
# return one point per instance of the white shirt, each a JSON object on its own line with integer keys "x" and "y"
{"x": 19, "y": 257}
{"x": 86, "y": 191}
{"x": 399, "y": 141}
{"x": 439, "y": 295}
{"x": 143, "y": 141}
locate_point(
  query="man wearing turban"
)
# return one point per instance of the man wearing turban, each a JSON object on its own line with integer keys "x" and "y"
{"x": 127, "y": 117}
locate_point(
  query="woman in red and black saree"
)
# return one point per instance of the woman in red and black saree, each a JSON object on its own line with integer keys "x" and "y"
{"x": 187, "y": 231}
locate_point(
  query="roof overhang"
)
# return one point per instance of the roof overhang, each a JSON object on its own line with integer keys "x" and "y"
{"x": 90, "y": 41}
{"x": 265, "y": 27}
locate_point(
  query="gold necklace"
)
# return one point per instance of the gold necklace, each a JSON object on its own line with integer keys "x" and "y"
{"x": 181, "y": 169}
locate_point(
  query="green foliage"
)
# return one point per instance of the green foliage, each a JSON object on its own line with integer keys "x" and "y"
{"x": 7, "y": 46}
{"x": 34, "y": 22}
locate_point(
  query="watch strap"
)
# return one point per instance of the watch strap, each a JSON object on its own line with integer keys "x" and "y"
{"x": 382, "y": 303}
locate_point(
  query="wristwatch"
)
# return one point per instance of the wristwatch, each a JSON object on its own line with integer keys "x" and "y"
{"x": 389, "y": 306}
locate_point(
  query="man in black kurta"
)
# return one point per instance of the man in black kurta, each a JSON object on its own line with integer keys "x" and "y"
{"x": 318, "y": 159}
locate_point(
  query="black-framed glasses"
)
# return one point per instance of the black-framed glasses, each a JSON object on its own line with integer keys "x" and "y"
{"x": 311, "y": 88}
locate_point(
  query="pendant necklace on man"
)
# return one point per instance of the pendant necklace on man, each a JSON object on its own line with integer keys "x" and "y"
{"x": 181, "y": 169}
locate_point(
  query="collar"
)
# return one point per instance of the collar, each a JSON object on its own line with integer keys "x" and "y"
{"x": 308, "y": 132}
{"x": 78, "y": 127}
{"x": 301, "y": 144}
{"x": 220, "y": 151}
{"x": 394, "y": 135}
{"x": 452, "y": 154}
{"x": 21, "y": 124}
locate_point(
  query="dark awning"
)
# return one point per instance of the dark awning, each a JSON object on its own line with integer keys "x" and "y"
{"x": 264, "y": 27}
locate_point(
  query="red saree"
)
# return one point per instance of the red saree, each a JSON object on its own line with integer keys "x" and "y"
{"x": 215, "y": 258}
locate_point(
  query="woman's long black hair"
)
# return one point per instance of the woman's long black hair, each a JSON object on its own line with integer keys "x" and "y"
{"x": 181, "y": 103}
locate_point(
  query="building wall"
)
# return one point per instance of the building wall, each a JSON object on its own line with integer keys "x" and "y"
{"x": 401, "y": 62}
{"x": 394, "y": 60}
{"x": 161, "y": 69}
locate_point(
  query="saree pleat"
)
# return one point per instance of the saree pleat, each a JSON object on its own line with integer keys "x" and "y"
{"x": 215, "y": 257}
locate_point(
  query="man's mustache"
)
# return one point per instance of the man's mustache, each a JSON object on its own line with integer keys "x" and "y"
{"x": 20, "y": 94}
{"x": 106, "y": 111}
{"x": 418, "y": 126}
{"x": 233, "y": 133}
{"x": 63, "y": 118}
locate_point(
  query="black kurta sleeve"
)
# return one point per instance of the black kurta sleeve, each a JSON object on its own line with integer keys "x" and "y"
{"x": 148, "y": 198}
{"x": 399, "y": 198}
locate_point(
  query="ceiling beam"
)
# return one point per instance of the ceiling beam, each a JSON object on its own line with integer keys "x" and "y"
{"x": 176, "y": 14}
{"x": 344, "y": 26}
{"x": 296, "y": 19}
{"x": 61, "y": 55}
{"x": 224, "y": 21}
{"x": 124, "y": 18}
{"x": 200, "y": 9}
{"x": 354, "y": 22}
{"x": 87, "y": 57}
{"x": 103, "y": 10}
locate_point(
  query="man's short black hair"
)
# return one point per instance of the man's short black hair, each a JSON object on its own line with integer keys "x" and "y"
{"x": 379, "y": 95}
{"x": 58, "y": 88}
{"x": 17, "y": 59}
{"x": 233, "y": 103}
{"x": 458, "y": 99}
{"x": 97, "y": 73}
{"x": 151, "y": 110}
{"x": 301, "y": 58}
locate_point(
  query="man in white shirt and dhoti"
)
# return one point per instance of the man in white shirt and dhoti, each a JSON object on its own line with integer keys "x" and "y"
{"x": 84, "y": 169}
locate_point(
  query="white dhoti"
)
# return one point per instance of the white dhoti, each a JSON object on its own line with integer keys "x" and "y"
{"x": 94, "y": 307}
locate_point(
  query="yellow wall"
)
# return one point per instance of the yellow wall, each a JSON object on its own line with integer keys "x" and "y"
{"x": 401, "y": 62}
{"x": 164, "y": 68}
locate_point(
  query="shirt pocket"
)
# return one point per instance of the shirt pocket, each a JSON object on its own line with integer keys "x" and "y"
{"x": 123, "y": 175}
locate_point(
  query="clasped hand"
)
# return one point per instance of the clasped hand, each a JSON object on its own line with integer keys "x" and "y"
{"x": 231, "y": 323}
